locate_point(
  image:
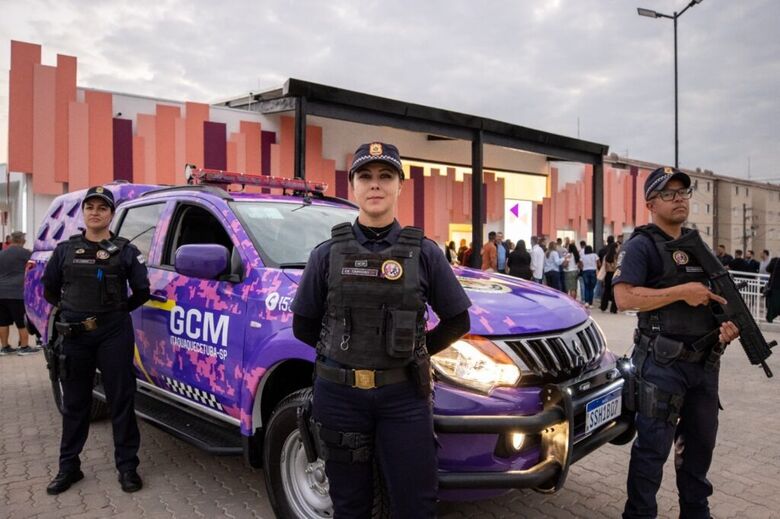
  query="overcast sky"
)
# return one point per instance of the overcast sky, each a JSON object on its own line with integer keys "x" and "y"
{"x": 544, "y": 64}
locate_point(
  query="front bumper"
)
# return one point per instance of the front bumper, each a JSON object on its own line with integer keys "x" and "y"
{"x": 560, "y": 426}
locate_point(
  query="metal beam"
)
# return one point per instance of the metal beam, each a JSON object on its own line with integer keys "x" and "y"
{"x": 548, "y": 150}
{"x": 476, "y": 199}
{"x": 300, "y": 138}
{"x": 598, "y": 205}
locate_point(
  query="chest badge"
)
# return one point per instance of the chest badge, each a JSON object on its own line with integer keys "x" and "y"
{"x": 680, "y": 257}
{"x": 361, "y": 263}
{"x": 80, "y": 251}
{"x": 103, "y": 255}
{"x": 392, "y": 270}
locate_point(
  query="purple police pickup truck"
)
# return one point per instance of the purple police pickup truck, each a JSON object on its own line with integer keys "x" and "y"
{"x": 531, "y": 390}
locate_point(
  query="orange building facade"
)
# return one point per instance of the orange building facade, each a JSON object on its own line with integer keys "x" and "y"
{"x": 63, "y": 137}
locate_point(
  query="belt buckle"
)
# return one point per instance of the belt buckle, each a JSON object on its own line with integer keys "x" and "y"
{"x": 364, "y": 378}
{"x": 90, "y": 324}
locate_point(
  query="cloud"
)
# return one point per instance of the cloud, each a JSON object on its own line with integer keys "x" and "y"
{"x": 545, "y": 65}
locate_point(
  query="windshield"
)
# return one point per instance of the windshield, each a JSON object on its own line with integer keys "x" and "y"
{"x": 286, "y": 233}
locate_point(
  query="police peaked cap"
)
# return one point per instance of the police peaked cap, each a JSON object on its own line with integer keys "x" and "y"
{"x": 376, "y": 152}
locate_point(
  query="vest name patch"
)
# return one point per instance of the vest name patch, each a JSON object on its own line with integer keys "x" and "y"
{"x": 352, "y": 271}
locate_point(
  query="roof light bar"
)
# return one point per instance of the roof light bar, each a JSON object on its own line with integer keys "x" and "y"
{"x": 223, "y": 179}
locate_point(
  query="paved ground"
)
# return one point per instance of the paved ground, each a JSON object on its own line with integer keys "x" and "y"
{"x": 182, "y": 482}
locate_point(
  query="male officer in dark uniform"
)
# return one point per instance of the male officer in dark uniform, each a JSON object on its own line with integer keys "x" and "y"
{"x": 677, "y": 389}
{"x": 87, "y": 278}
{"x": 362, "y": 302}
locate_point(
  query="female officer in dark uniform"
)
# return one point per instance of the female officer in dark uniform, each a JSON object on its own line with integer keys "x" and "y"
{"x": 362, "y": 302}
{"x": 87, "y": 277}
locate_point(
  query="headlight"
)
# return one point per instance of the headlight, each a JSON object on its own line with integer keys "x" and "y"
{"x": 477, "y": 363}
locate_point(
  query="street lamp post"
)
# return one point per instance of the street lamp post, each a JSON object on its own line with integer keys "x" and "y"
{"x": 654, "y": 14}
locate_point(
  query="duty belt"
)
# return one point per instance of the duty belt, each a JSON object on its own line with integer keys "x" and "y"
{"x": 362, "y": 378}
{"x": 693, "y": 352}
{"x": 70, "y": 329}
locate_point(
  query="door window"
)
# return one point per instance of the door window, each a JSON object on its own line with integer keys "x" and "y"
{"x": 138, "y": 225}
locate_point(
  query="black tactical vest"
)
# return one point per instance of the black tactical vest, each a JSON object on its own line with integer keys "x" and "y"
{"x": 375, "y": 317}
{"x": 678, "y": 318}
{"x": 94, "y": 280}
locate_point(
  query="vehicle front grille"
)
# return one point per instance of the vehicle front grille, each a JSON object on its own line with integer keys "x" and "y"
{"x": 564, "y": 354}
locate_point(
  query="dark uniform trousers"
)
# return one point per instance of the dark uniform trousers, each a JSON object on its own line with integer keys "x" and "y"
{"x": 110, "y": 349}
{"x": 404, "y": 448}
{"x": 693, "y": 438}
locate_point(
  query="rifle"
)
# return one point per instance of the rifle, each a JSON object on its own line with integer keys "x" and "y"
{"x": 753, "y": 342}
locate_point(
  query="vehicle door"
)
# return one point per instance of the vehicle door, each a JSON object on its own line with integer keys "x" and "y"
{"x": 140, "y": 224}
{"x": 197, "y": 325}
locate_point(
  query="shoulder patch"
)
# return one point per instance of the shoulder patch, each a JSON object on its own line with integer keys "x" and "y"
{"x": 141, "y": 259}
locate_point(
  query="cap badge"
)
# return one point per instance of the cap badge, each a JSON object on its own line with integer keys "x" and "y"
{"x": 375, "y": 149}
{"x": 99, "y": 189}
{"x": 668, "y": 170}
{"x": 101, "y": 254}
{"x": 680, "y": 257}
{"x": 392, "y": 270}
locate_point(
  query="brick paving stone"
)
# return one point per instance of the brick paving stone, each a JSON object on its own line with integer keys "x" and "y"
{"x": 183, "y": 482}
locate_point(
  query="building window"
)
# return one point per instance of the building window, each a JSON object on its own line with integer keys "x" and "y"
{"x": 708, "y": 208}
{"x": 708, "y": 187}
{"x": 695, "y": 208}
{"x": 695, "y": 183}
{"x": 708, "y": 230}
{"x": 736, "y": 190}
{"x": 747, "y": 191}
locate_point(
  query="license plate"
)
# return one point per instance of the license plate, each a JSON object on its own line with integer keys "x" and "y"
{"x": 603, "y": 409}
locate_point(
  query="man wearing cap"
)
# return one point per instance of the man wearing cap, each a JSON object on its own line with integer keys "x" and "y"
{"x": 87, "y": 279}
{"x": 12, "y": 264}
{"x": 676, "y": 391}
{"x": 362, "y": 303}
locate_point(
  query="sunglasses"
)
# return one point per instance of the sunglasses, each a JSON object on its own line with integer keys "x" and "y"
{"x": 667, "y": 195}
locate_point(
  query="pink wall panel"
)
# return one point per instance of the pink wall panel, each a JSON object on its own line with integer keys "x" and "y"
{"x": 78, "y": 146}
{"x": 314, "y": 152}
{"x": 405, "y": 203}
{"x": 588, "y": 191}
{"x": 196, "y": 114}
{"x": 456, "y": 201}
{"x": 232, "y": 155}
{"x": 43, "y": 138}
{"x": 65, "y": 94}
{"x": 329, "y": 176}
{"x": 146, "y": 125}
{"x": 139, "y": 159}
{"x": 547, "y": 223}
{"x": 466, "y": 205}
{"x": 165, "y": 142}
{"x": 24, "y": 57}
{"x": 287, "y": 147}
{"x": 180, "y": 149}
{"x": 101, "y": 137}
{"x": 253, "y": 132}
{"x": 276, "y": 167}
{"x": 642, "y": 214}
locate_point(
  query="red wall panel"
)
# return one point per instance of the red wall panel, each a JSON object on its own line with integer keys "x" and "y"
{"x": 253, "y": 132}
{"x": 146, "y": 125}
{"x": 24, "y": 57}
{"x": 196, "y": 114}
{"x": 101, "y": 137}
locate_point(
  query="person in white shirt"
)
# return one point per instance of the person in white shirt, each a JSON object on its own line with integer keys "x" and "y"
{"x": 537, "y": 258}
{"x": 764, "y": 262}
{"x": 589, "y": 267}
{"x": 552, "y": 263}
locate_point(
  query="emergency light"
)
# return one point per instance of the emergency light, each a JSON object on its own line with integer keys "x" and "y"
{"x": 223, "y": 179}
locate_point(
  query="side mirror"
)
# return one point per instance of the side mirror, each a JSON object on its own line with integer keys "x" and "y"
{"x": 206, "y": 261}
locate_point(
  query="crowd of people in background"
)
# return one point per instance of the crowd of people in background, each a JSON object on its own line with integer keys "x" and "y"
{"x": 585, "y": 274}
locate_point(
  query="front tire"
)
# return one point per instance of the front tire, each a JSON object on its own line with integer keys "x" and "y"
{"x": 298, "y": 489}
